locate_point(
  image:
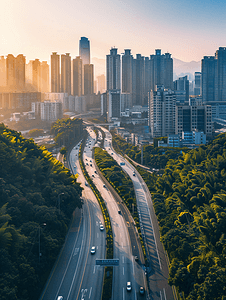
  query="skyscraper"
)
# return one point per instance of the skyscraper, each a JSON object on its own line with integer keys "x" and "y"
{"x": 66, "y": 73}
{"x": 113, "y": 70}
{"x": 181, "y": 88}
{"x": 55, "y": 73}
{"x": 84, "y": 50}
{"x": 2, "y": 71}
{"x": 139, "y": 79}
{"x": 77, "y": 76}
{"x": 161, "y": 70}
{"x": 44, "y": 73}
{"x": 197, "y": 88}
{"x": 88, "y": 79}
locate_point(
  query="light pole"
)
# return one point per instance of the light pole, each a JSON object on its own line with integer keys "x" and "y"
{"x": 59, "y": 200}
{"x": 39, "y": 242}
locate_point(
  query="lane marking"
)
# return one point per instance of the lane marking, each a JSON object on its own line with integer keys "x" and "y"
{"x": 164, "y": 293}
{"x": 123, "y": 293}
{"x": 94, "y": 269}
{"x": 123, "y": 259}
{"x": 90, "y": 292}
{"x": 76, "y": 251}
{"x": 123, "y": 270}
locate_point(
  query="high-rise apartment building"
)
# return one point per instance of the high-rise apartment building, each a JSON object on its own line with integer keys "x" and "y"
{"x": 139, "y": 79}
{"x": 197, "y": 88}
{"x": 2, "y": 71}
{"x": 101, "y": 83}
{"x": 161, "y": 70}
{"x": 55, "y": 73}
{"x": 208, "y": 65}
{"x": 77, "y": 76}
{"x": 127, "y": 72}
{"x": 66, "y": 73}
{"x": 191, "y": 118}
{"x": 44, "y": 74}
{"x": 162, "y": 103}
{"x": 220, "y": 57}
{"x": 84, "y": 50}
{"x": 15, "y": 72}
{"x": 88, "y": 79}
{"x": 113, "y": 70}
{"x": 114, "y": 104}
{"x": 181, "y": 88}
{"x": 147, "y": 79}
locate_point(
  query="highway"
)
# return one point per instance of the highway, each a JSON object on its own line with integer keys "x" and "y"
{"x": 158, "y": 266}
{"x": 75, "y": 275}
{"x": 128, "y": 270}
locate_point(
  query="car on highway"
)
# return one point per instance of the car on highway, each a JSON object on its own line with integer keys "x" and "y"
{"x": 60, "y": 298}
{"x": 134, "y": 174}
{"x": 93, "y": 175}
{"x": 136, "y": 258}
{"x": 104, "y": 185}
{"x": 101, "y": 227}
{"x": 91, "y": 165}
{"x": 119, "y": 212}
{"x": 93, "y": 250}
{"x": 122, "y": 163}
{"x": 141, "y": 290}
{"x": 86, "y": 184}
{"x": 90, "y": 160}
{"x": 95, "y": 172}
{"x": 128, "y": 286}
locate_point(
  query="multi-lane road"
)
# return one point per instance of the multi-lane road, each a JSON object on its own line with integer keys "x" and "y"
{"x": 158, "y": 266}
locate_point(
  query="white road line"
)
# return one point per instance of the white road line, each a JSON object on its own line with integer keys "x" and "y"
{"x": 164, "y": 293}
{"x": 90, "y": 292}
{"x": 123, "y": 294}
{"x": 123, "y": 259}
{"x": 135, "y": 296}
{"x": 94, "y": 269}
{"x": 160, "y": 295}
{"x": 133, "y": 267}
{"x": 123, "y": 270}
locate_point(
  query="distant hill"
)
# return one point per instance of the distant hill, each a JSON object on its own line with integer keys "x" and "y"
{"x": 180, "y": 68}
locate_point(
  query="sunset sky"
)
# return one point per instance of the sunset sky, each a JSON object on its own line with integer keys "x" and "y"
{"x": 187, "y": 29}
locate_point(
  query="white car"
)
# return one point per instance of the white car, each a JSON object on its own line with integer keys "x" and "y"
{"x": 129, "y": 286}
{"x": 93, "y": 250}
{"x": 101, "y": 227}
{"x": 60, "y": 298}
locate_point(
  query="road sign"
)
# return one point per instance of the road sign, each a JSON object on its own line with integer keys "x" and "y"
{"x": 107, "y": 262}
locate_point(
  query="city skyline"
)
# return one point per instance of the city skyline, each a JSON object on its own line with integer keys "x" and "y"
{"x": 187, "y": 30}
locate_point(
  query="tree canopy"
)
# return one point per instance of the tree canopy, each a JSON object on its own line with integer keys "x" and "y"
{"x": 30, "y": 183}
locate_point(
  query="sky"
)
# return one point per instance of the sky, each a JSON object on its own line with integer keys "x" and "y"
{"x": 188, "y": 30}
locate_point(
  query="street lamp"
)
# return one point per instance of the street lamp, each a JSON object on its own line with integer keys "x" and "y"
{"x": 59, "y": 200}
{"x": 39, "y": 242}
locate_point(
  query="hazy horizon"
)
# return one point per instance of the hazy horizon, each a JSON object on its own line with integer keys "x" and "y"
{"x": 188, "y": 31}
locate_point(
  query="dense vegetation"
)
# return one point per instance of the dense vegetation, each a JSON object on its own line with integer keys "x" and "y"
{"x": 31, "y": 182}
{"x": 190, "y": 203}
{"x": 153, "y": 157}
{"x": 66, "y": 131}
{"x": 121, "y": 182}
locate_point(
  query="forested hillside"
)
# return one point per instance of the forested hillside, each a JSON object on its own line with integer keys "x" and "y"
{"x": 190, "y": 204}
{"x": 31, "y": 184}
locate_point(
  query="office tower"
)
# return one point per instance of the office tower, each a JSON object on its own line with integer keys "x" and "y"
{"x": 139, "y": 79}
{"x": 209, "y": 84}
{"x": 101, "y": 83}
{"x": 197, "y": 88}
{"x": 114, "y": 104}
{"x": 162, "y": 103}
{"x": 10, "y": 71}
{"x": 77, "y": 76}
{"x": 66, "y": 73}
{"x": 2, "y": 71}
{"x": 103, "y": 106}
{"x": 84, "y": 50}
{"x": 44, "y": 74}
{"x": 55, "y": 73}
{"x": 88, "y": 79}
{"x": 113, "y": 70}
{"x": 181, "y": 88}
{"x": 220, "y": 57}
{"x": 190, "y": 118}
{"x": 161, "y": 70}
{"x": 127, "y": 69}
